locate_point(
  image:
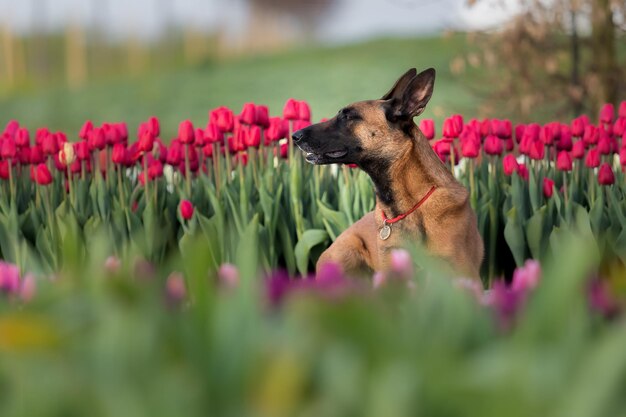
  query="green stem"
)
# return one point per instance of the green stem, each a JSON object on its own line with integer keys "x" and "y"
{"x": 187, "y": 172}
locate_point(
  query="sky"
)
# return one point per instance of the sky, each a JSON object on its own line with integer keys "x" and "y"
{"x": 349, "y": 20}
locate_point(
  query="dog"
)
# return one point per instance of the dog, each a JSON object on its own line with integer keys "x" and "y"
{"x": 417, "y": 197}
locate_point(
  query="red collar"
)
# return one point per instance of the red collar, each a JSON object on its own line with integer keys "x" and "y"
{"x": 415, "y": 207}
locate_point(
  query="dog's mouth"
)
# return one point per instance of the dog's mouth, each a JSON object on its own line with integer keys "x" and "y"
{"x": 326, "y": 157}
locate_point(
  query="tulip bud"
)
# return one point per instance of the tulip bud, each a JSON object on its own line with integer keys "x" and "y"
{"x": 519, "y": 132}
{"x": 8, "y": 149}
{"x": 49, "y": 144}
{"x": 605, "y": 145}
{"x": 578, "y": 150}
{"x": 186, "y": 133}
{"x": 427, "y": 126}
{"x": 154, "y": 126}
{"x": 548, "y": 187}
{"x": 563, "y": 161}
{"x": 522, "y": 171}
{"x": 22, "y": 137}
{"x": 622, "y": 156}
{"x": 96, "y": 140}
{"x": 537, "y": 150}
{"x": 118, "y": 156}
{"x": 470, "y": 148}
{"x": 451, "y": 129}
{"x": 622, "y": 109}
{"x": 493, "y": 145}
{"x": 253, "y": 137}
{"x": 11, "y": 128}
{"x": 198, "y": 138}
{"x": 186, "y": 209}
{"x": 67, "y": 154}
{"x": 262, "y": 117}
{"x": 593, "y": 159}
{"x": 607, "y": 113}
{"x": 605, "y": 175}
{"x": 248, "y": 114}
{"x": 578, "y": 127}
{"x": 591, "y": 135}
{"x": 43, "y": 175}
{"x": 565, "y": 141}
{"x": 85, "y": 131}
{"x": 509, "y": 164}
{"x": 304, "y": 111}
{"x": 290, "y": 110}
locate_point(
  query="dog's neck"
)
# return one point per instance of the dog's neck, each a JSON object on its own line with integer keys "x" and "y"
{"x": 401, "y": 182}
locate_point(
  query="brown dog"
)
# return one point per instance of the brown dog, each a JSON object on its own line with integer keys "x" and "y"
{"x": 411, "y": 182}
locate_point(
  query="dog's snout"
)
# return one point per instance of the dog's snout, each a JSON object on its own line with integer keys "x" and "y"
{"x": 297, "y": 135}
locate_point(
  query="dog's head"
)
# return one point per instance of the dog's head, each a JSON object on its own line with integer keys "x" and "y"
{"x": 368, "y": 130}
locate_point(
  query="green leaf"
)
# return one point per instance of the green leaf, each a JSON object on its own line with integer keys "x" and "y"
{"x": 309, "y": 239}
{"x": 514, "y": 236}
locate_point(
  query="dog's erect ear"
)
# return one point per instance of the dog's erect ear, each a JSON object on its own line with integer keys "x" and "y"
{"x": 398, "y": 88}
{"x": 413, "y": 100}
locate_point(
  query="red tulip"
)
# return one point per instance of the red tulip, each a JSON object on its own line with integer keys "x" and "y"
{"x": 442, "y": 148}
{"x": 622, "y": 109}
{"x": 458, "y": 121}
{"x": 43, "y": 175}
{"x": 578, "y": 127}
{"x": 304, "y": 111}
{"x": 262, "y": 117}
{"x": 290, "y": 110}
{"x": 578, "y": 150}
{"x": 119, "y": 154}
{"x": 605, "y": 145}
{"x": 49, "y": 145}
{"x": 622, "y": 156}
{"x": 22, "y": 137}
{"x": 154, "y": 126}
{"x": 509, "y": 164}
{"x": 605, "y": 175}
{"x": 620, "y": 126}
{"x": 111, "y": 134}
{"x": 550, "y": 133}
{"x": 186, "y": 209}
{"x": 593, "y": 159}
{"x": 41, "y": 134}
{"x": 198, "y": 138}
{"x": 24, "y": 155}
{"x": 146, "y": 141}
{"x": 607, "y": 113}
{"x": 223, "y": 118}
{"x": 563, "y": 161}
{"x": 8, "y": 149}
{"x": 493, "y": 145}
{"x": 82, "y": 150}
{"x": 248, "y": 114}
{"x": 522, "y": 171}
{"x": 451, "y": 129}
{"x": 11, "y": 128}
{"x": 253, "y": 137}
{"x": 36, "y": 155}
{"x": 485, "y": 128}
{"x": 519, "y": 132}
{"x": 4, "y": 170}
{"x": 96, "y": 139}
{"x": 565, "y": 140}
{"x": 537, "y": 150}
{"x": 86, "y": 130}
{"x": 207, "y": 150}
{"x": 186, "y": 133}
{"x": 155, "y": 169}
{"x": 213, "y": 134}
{"x": 470, "y": 148}
{"x": 591, "y": 135}
{"x": 284, "y": 150}
{"x": 548, "y": 187}
{"x": 175, "y": 153}
{"x": 526, "y": 144}
{"x": 277, "y": 130}
{"x": 122, "y": 131}
{"x": 427, "y": 126}
{"x": 501, "y": 128}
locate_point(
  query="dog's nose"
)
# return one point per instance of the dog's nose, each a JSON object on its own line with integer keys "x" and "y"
{"x": 297, "y": 135}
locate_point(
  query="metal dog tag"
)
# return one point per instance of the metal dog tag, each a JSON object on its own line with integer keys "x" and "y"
{"x": 385, "y": 232}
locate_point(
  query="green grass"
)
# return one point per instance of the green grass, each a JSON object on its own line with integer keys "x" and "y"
{"x": 328, "y": 78}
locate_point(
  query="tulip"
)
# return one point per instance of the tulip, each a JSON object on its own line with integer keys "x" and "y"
{"x": 228, "y": 275}
{"x": 605, "y": 175}
{"x": 548, "y": 187}
{"x": 563, "y": 161}
{"x": 146, "y": 141}
{"x": 550, "y": 133}
{"x": 526, "y": 277}
{"x": 470, "y": 148}
{"x": 501, "y": 128}
{"x": 618, "y": 128}
{"x": 67, "y": 154}
{"x": 565, "y": 140}
{"x": 253, "y": 137}
{"x": 96, "y": 140}
{"x": 36, "y": 155}
{"x": 290, "y": 110}
{"x": 284, "y": 150}
{"x": 223, "y": 118}
{"x": 591, "y": 135}
{"x": 119, "y": 154}
{"x": 154, "y": 126}
{"x": 537, "y": 150}
{"x": 622, "y": 156}
{"x": 111, "y": 134}
{"x": 304, "y": 111}
{"x": 607, "y": 113}
{"x": 49, "y": 145}
{"x": 24, "y": 155}
{"x": 207, "y": 150}
{"x": 8, "y": 149}
{"x": 212, "y": 134}
{"x": 622, "y": 109}
{"x": 278, "y": 129}
{"x": 442, "y": 148}
{"x": 122, "y": 131}
{"x": 4, "y": 170}
{"x": 509, "y": 164}
{"x": 578, "y": 127}
{"x": 43, "y": 175}
{"x": 186, "y": 133}
{"x": 175, "y": 153}
{"x": 198, "y": 138}
{"x": 593, "y": 159}
{"x": 248, "y": 114}
{"x": 451, "y": 129}
{"x": 578, "y": 150}
{"x": 262, "y": 117}
{"x": 493, "y": 145}
{"x": 458, "y": 121}
{"x": 522, "y": 171}
{"x": 9, "y": 278}
{"x": 155, "y": 169}
{"x": 85, "y": 131}
{"x": 605, "y": 145}
{"x": 300, "y": 124}
{"x": 11, "y": 128}
{"x": 519, "y": 132}
{"x": 186, "y": 209}
{"x": 22, "y": 137}
{"x": 427, "y": 126}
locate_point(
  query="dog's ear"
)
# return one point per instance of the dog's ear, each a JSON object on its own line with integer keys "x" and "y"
{"x": 398, "y": 88}
{"x": 414, "y": 98}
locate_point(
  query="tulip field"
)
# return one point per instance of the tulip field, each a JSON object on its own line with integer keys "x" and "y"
{"x": 146, "y": 275}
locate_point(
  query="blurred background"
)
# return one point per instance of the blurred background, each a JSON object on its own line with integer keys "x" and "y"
{"x": 65, "y": 61}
